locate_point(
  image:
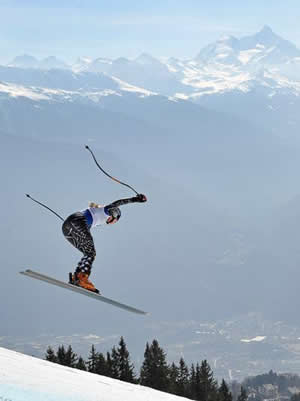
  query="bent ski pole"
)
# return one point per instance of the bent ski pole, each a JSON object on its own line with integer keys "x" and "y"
{"x": 108, "y": 175}
{"x": 34, "y": 200}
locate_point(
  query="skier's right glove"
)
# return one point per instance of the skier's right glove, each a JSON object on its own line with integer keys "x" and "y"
{"x": 141, "y": 198}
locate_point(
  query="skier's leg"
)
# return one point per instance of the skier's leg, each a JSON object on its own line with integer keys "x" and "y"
{"x": 77, "y": 232}
{"x": 89, "y": 255}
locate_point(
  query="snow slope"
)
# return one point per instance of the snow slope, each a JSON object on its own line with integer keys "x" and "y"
{"x": 24, "y": 378}
{"x": 46, "y": 93}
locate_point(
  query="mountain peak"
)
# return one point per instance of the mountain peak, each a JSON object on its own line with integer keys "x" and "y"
{"x": 146, "y": 58}
{"x": 25, "y": 60}
{"x": 267, "y": 35}
{"x": 266, "y": 29}
{"x": 227, "y": 38}
{"x": 51, "y": 62}
{"x": 264, "y": 46}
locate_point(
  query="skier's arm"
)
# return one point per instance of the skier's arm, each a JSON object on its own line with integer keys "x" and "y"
{"x": 139, "y": 198}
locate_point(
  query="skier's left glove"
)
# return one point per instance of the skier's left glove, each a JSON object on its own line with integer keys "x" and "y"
{"x": 141, "y": 198}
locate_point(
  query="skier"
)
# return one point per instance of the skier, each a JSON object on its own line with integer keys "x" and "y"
{"x": 76, "y": 229}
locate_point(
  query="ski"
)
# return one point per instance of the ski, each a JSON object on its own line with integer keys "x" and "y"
{"x": 82, "y": 291}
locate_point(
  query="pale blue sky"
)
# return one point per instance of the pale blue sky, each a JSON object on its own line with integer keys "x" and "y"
{"x": 126, "y": 28}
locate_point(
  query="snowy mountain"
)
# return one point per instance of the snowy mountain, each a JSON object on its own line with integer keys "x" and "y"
{"x": 260, "y": 60}
{"x": 265, "y": 47}
{"x": 42, "y": 104}
{"x": 58, "y": 80}
{"x": 24, "y": 378}
{"x": 24, "y": 61}
{"x": 255, "y": 78}
{"x": 51, "y": 62}
{"x": 144, "y": 71}
{"x": 263, "y": 60}
{"x": 48, "y": 63}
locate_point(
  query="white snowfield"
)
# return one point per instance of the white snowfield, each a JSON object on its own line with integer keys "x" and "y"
{"x": 255, "y": 339}
{"x": 25, "y": 378}
{"x": 60, "y": 95}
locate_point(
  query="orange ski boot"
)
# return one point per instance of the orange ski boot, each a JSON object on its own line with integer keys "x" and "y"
{"x": 82, "y": 280}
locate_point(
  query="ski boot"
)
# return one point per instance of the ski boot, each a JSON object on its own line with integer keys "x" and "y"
{"x": 82, "y": 280}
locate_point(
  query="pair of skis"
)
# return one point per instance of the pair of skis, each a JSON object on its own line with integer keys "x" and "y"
{"x": 80, "y": 290}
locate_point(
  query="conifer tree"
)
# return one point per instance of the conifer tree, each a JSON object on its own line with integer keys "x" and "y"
{"x": 50, "y": 355}
{"x": 100, "y": 367}
{"x": 61, "y": 355}
{"x": 70, "y": 358}
{"x": 125, "y": 367}
{"x": 193, "y": 382}
{"x": 154, "y": 371}
{"x": 224, "y": 393}
{"x": 115, "y": 371}
{"x": 173, "y": 379}
{"x": 92, "y": 360}
{"x": 146, "y": 367}
{"x": 80, "y": 364}
{"x": 243, "y": 396}
{"x": 109, "y": 363}
{"x": 183, "y": 379}
{"x": 207, "y": 385}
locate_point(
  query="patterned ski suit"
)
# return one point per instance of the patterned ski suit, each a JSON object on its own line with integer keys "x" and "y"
{"x": 76, "y": 229}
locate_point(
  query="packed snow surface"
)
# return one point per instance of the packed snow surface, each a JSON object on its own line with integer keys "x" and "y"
{"x": 255, "y": 339}
{"x": 24, "y": 378}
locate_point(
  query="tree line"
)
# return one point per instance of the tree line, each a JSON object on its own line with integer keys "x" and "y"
{"x": 196, "y": 382}
{"x": 283, "y": 385}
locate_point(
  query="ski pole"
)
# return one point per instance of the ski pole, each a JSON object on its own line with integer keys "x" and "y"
{"x": 108, "y": 175}
{"x": 34, "y": 200}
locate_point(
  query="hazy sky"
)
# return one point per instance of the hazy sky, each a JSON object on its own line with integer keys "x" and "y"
{"x": 126, "y": 28}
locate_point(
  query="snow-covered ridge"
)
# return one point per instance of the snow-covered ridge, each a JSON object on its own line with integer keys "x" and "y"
{"x": 22, "y": 91}
{"x": 124, "y": 86}
{"x": 37, "y": 93}
{"x": 24, "y": 378}
{"x": 43, "y": 93}
{"x": 262, "y": 60}
{"x": 230, "y": 64}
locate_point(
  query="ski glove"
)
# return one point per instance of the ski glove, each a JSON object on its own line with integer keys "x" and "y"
{"x": 141, "y": 198}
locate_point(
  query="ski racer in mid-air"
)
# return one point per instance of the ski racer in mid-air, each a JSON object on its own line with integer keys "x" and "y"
{"x": 76, "y": 229}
